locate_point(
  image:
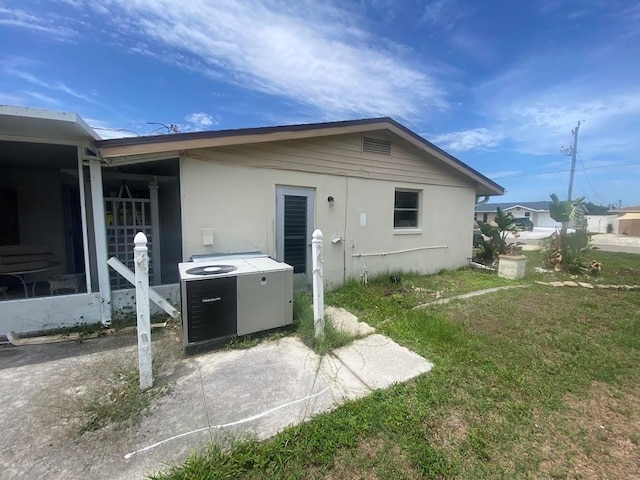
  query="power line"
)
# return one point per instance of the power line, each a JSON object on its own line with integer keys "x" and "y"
{"x": 589, "y": 181}
{"x": 171, "y": 128}
{"x": 564, "y": 171}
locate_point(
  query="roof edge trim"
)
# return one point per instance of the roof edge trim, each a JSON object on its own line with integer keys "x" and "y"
{"x": 138, "y": 146}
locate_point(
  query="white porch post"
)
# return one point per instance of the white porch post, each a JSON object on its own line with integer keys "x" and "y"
{"x": 83, "y": 215}
{"x": 141, "y": 262}
{"x": 99, "y": 220}
{"x": 155, "y": 233}
{"x": 318, "y": 283}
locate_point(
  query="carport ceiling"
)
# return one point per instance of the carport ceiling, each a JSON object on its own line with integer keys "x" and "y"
{"x": 37, "y": 155}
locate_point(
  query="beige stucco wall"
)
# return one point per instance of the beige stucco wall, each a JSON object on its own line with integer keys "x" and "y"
{"x": 239, "y": 203}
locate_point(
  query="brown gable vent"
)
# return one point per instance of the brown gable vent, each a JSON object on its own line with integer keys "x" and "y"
{"x": 376, "y": 145}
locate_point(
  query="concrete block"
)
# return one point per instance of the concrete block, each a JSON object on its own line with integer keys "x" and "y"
{"x": 512, "y": 267}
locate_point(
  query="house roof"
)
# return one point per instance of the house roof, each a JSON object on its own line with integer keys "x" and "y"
{"x": 630, "y": 216}
{"x": 541, "y": 206}
{"x": 28, "y": 124}
{"x": 125, "y": 150}
{"x": 635, "y": 209}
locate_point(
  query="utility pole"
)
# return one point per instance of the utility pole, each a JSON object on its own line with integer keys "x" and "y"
{"x": 573, "y": 151}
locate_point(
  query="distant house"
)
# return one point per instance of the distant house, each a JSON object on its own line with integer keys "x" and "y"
{"x": 537, "y": 212}
{"x": 627, "y": 221}
{"x": 600, "y": 223}
{"x": 384, "y": 197}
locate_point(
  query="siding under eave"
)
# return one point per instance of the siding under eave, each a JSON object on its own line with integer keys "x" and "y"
{"x": 339, "y": 155}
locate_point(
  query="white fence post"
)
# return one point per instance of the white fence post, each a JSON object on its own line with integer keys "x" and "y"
{"x": 141, "y": 262}
{"x": 318, "y": 283}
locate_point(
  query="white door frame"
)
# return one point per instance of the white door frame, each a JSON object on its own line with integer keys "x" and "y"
{"x": 300, "y": 280}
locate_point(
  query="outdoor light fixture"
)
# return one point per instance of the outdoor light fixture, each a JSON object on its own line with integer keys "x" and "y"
{"x": 330, "y": 200}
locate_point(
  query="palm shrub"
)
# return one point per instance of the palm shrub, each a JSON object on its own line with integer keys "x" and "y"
{"x": 567, "y": 251}
{"x": 497, "y": 236}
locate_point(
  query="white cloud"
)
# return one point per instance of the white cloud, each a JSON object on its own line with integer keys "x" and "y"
{"x": 11, "y": 99}
{"x": 55, "y": 86}
{"x": 542, "y": 125}
{"x": 44, "y": 99}
{"x": 442, "y": 13}
{"x": 537, "y": 112}
{"x": 106, "y": 131}
{"x": 310, "y": 52}
{"x": 201, "y": 120}
{"x": 476, "y": 138}
{"x": 50, "y": 25}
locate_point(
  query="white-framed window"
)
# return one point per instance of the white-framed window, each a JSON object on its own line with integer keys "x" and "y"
{"x": 527, "y": 214}
{"x": 406, "y": 208}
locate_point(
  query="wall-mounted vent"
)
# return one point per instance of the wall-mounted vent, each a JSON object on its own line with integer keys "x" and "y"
{"x": 376, "y": 145}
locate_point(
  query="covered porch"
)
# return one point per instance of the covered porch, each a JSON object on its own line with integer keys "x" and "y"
{"x": 64, "y": 212}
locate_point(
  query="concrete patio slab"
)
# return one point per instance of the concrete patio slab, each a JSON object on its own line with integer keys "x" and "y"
{"x": 344, "y": 384}
{"x": 215, "y": 397}
{"x": 380, "y": 362}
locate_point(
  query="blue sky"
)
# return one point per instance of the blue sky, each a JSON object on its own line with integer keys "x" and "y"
{"x": 499, "y": 84}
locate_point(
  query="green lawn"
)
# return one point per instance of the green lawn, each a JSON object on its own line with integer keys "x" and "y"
{"x": 617, "y": 268}
{"x": 537, "y": 382}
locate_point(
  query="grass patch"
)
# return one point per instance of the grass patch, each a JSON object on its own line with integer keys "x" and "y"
{"x": 122, "y": 404}
{"x": 304, "y": 324}
{"x": 119, "y": 402}
{"x": 385, "y": 295}
{"x": 523, "y": 381}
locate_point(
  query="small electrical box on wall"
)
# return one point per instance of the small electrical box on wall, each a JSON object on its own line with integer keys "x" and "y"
{"x": 207, "y": 236}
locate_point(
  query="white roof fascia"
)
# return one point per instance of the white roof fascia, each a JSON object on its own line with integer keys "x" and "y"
{"x": 144, "y": 158}
{"x": 77, "y": 126}
{"x": 113, "y": 151}
{"x": 137, "y": 153}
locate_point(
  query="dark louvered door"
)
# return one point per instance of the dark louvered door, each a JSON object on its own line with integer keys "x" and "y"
{"x": 294, "y": 218}
{"x": 295, "y": 232}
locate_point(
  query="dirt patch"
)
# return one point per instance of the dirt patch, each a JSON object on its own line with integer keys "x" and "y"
{"x": 450, "y": 432}
{"x": 597, "y": 437}
{"x": 630, "y": 273}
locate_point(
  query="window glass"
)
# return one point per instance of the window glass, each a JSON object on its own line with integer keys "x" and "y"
{"x": 406, "y": 209}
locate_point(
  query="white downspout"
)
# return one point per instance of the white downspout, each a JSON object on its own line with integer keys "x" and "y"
{"x": 483, "y": 201}
{"x": 100, "y": 229}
